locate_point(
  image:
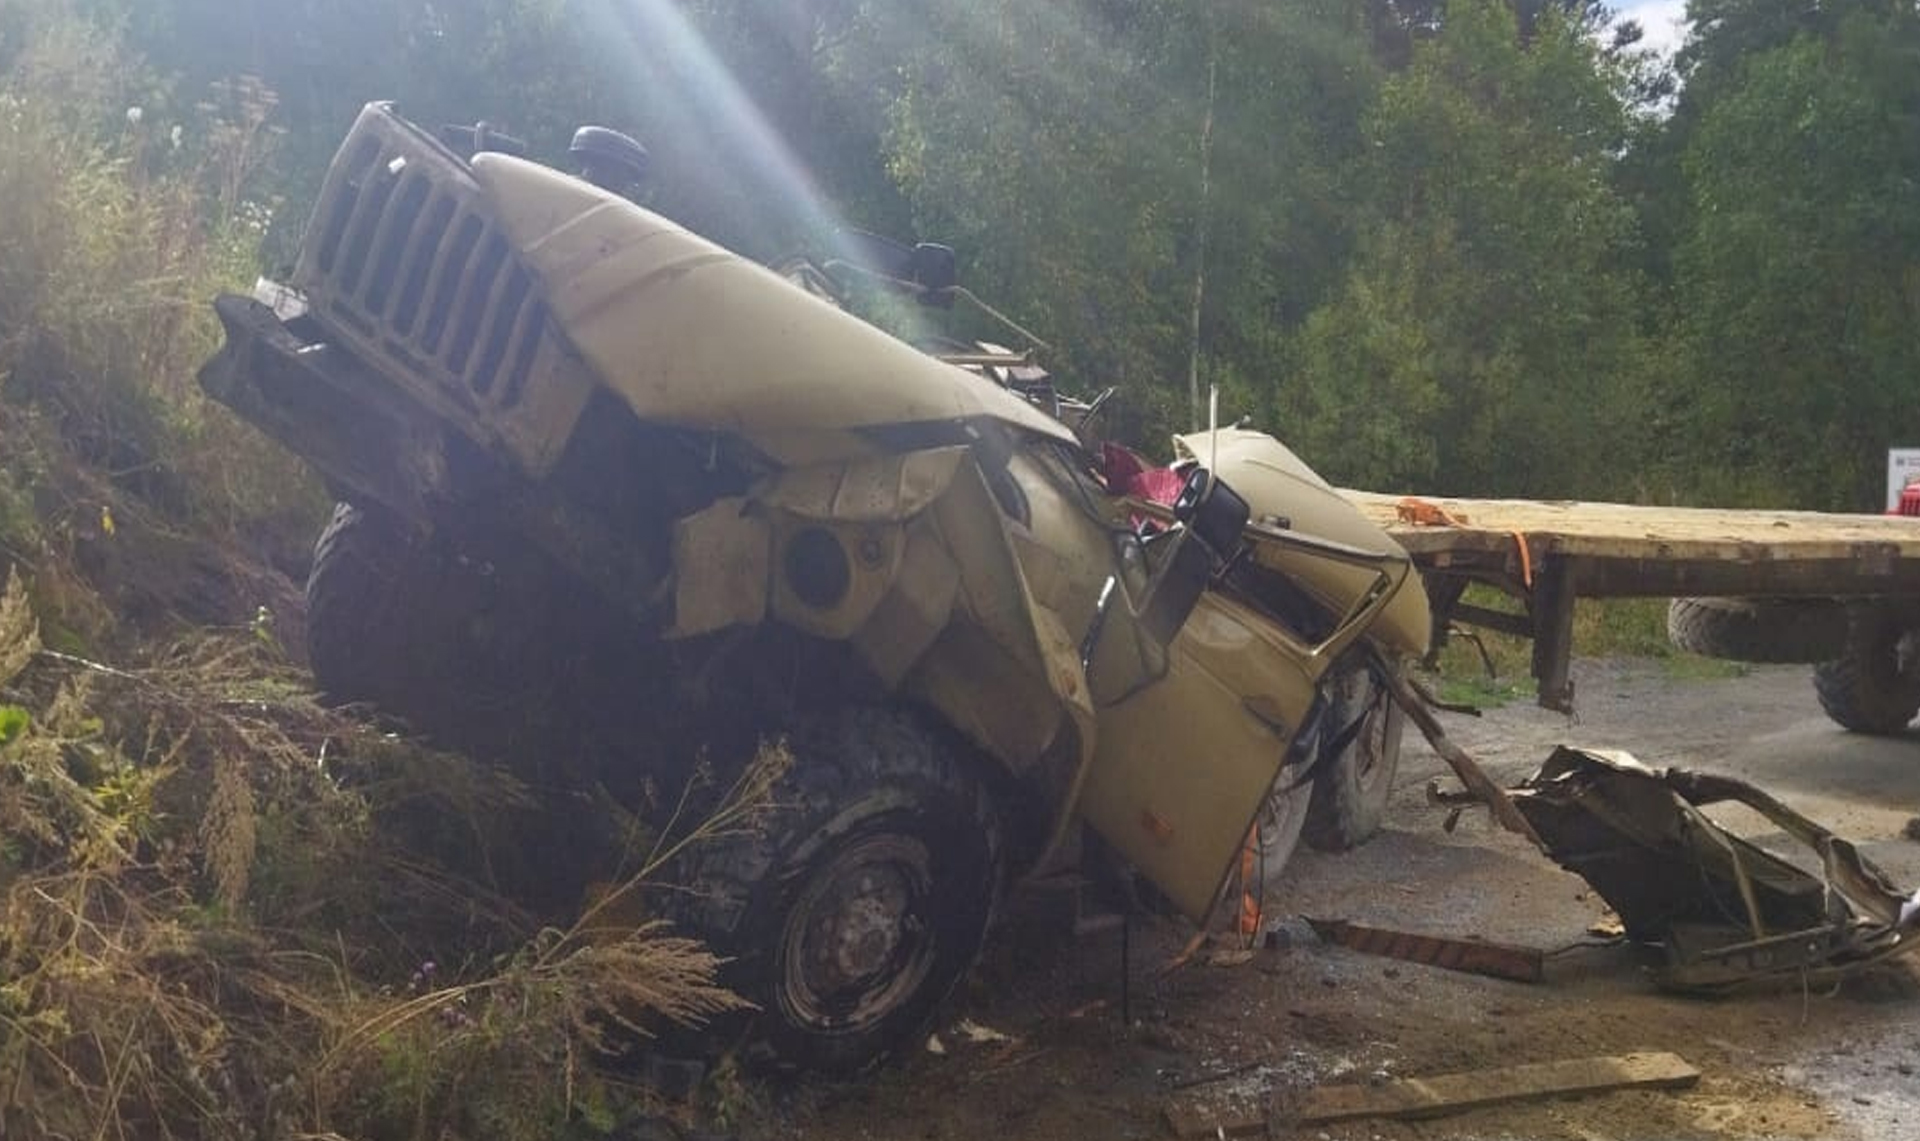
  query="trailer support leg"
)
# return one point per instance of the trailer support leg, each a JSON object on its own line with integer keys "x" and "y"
{"x": 1551, "y": 607}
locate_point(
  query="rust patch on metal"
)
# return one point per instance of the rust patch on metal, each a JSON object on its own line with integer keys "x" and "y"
{"x": 1156, "y": 825}
{"x": 1474, "y": 956}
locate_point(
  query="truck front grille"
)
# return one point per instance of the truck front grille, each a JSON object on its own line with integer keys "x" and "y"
{"x": 402, "y": 256}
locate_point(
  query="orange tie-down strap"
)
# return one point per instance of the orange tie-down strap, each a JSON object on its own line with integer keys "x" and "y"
{"x": 1250, "y": 886}
{"x": 1426, "y": 513}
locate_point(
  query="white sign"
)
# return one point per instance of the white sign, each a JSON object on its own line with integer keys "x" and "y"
{"x": 1903, "y": 465}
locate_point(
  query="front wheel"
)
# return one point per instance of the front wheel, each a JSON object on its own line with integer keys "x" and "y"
{"x": 1363, "y": 728}
{"x": 850, "y": 916}
{"x": 455, "y": 644}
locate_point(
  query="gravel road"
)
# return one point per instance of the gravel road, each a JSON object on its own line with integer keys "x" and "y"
{"x": 1788, "y": 1065}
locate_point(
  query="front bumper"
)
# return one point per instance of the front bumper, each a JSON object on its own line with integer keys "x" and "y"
{"x": 346, "y": 421}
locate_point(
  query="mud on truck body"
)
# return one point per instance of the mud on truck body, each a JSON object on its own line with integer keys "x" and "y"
{"x": 589, "y": 461}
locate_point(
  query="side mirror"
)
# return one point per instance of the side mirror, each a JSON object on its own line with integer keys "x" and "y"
{"x": 1214, "y": 516}
{"x": 1175, "y": 589}
{"x": 934, "y": 269}
{"x": 929, "y": 266}
{"x": 1213, "y": 511}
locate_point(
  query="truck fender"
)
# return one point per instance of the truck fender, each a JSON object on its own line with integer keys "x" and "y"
{"x": 906, "y": 557}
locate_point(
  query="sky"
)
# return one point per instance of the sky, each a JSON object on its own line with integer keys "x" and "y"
{"x": 1662, "y": 20}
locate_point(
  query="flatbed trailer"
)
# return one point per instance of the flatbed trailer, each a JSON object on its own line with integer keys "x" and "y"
{"x": 1548, "y": 554}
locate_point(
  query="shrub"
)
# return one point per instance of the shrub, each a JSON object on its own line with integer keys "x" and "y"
{"x": 120, "y": 221}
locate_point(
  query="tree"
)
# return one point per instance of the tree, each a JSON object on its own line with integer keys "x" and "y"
{"x": 1059, "y": 146}
{"x": 1799, "y": 277}
{"x": 1485, "y": 340}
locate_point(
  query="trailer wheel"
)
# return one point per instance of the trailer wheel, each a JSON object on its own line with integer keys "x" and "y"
{"x": 865, "y": 898}
{"x": 1875, "y": 687}
{"x": 1758, "y": 629}
{"x": 1350, "y": 796}
{"x": 450, "y": 645}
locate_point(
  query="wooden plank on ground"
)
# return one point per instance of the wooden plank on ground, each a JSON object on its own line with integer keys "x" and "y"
{"x": 1193, "y": 1116}
{"x": 1453, "y": 1093}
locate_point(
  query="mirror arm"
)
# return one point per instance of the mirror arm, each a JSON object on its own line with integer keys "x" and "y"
{"x": 1099, "y": 623}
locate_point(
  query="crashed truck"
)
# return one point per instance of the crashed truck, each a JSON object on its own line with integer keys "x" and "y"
{"x": 594, "y": 470}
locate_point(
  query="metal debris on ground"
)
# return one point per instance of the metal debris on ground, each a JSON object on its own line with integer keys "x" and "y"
{"x": 1727, "y": 913}
{"x": 967, "y": 1030}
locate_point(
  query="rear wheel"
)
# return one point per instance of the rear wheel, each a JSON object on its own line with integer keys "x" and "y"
{"x": 865, "y": 898}
{"x": 1875, "y": 687}
{"x": 1351, "y": 792}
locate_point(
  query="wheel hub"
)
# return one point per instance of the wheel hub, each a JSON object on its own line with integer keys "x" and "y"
{"x": 856, "y": 943}
{"x": 857, "y": 927}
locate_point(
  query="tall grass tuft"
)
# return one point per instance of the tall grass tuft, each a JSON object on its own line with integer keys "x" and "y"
{"x": 215, "y": 922}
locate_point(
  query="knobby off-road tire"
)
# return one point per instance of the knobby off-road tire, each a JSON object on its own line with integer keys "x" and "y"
{"x": 865, "y": 898}
{"x": 1875, "y": 687}
{"x": 452, "y": 645}
{"x": 1351, "y": 791}
{"x": 357, "y": 586}
{"x": 1758, "y": 629}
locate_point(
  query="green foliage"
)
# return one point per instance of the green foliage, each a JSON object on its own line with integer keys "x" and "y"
{"x": 1483, "y": 691}
{"x": 1486, "y": 338}
{"x": 1615, "y": 627}
{"x": 119, "y": 223}
{"x": 1797, "y": 278}
{"x": 1434, "y": 244}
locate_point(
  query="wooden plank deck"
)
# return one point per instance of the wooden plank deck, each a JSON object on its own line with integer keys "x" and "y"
{"x": 1620, "y": 549}
{"x": 1616, "y": 530}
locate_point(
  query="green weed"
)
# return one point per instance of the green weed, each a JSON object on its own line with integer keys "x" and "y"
{"x": 1488, "y": 669}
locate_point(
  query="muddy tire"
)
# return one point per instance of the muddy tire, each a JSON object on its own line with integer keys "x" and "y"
{"x": 866, "y": 897}
{"x": 1758, "y": 629}
{"x": 358, "y": 563}
{"x": 1351, "y": 792}
{"x": 1875, "y": 687}
{"x": 443, "y": 642}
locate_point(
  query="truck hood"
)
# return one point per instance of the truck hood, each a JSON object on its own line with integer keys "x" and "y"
{"x": 690, "y": 334}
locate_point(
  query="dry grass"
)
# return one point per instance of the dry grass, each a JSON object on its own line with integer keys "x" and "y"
{"x": 213, "y": 922}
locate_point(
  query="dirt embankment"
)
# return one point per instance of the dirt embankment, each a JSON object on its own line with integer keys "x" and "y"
{"x": 1793, "y": 1065}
